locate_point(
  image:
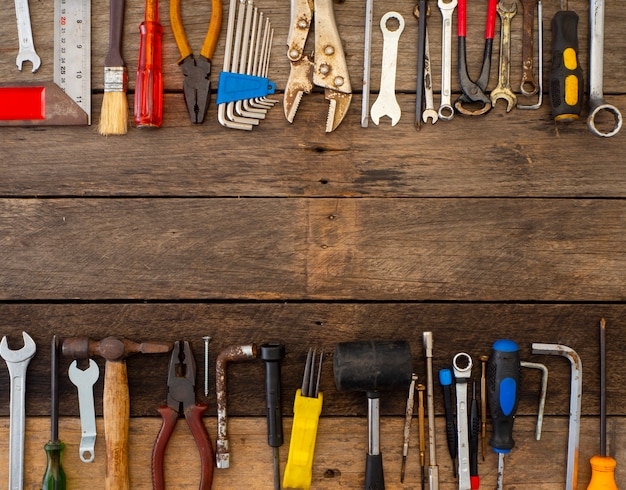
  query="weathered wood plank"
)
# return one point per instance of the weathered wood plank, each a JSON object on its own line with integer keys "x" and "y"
{"x": 324, "y": 249}
{"x": 470, "y": 328}
{"x": 516, "y": 154}
{"x": 339, "y": 457}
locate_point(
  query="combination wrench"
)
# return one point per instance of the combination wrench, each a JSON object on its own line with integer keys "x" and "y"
{"x": 17, "y": 363}
{"x": 528, "y": 86}
{"x": 25, "y": 33}
{"x": 462, "y": 365}
{"x": 386, "y": 104}
{"x": 503, "y": 89}
{"x": 84, "y": 381}
{"x": 596, "y": 74}
{"x": 429, "y": 111}
{"x": 446, "y": 111}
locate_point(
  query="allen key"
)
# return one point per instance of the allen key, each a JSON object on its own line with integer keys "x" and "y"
{"x": 542, "y": 396}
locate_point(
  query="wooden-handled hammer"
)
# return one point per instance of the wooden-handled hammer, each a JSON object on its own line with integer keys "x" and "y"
{"x": 116, "y": 398}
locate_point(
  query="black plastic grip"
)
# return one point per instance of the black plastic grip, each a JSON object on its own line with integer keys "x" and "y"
{"x": 374, "y": 477}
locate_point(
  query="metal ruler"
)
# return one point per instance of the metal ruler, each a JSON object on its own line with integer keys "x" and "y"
{"x": 72, "y": 50}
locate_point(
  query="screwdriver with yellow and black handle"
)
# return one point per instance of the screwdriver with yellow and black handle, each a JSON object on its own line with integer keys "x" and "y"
{"x": 566, "y": 75}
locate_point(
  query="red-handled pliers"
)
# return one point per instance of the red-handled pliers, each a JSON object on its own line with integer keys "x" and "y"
{"x": 181, "y": 396}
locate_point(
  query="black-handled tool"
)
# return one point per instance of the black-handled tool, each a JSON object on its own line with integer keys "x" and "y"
{"x": 474, "y": 434}
{"x": 445, "y": 379}
{"x": 272, "y": 354}
{"x": 566, "y": 83}
{"x": 503, "y": 381}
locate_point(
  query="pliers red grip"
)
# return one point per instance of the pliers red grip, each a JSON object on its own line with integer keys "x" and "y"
{"x": 182, "y": 397}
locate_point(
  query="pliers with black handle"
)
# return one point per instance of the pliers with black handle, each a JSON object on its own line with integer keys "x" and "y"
{"x": 181, "y": 397}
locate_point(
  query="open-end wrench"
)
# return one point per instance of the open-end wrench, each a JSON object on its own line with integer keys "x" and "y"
{"x": 25, "y": 33}
{"x": 429, "y": 111}
{"x": 528, "y": 86}
{"x": 576, "y": 393}
{"x": 84, "y": 381}
{"x": 539, "y": 62}
{"x": 17, "y": 363}
{"x": 596, "y": 74}
{"x": 503, "y": 89}
{"x": 386, "y": 104}
{"x": 462, "y": 365}
{"x": 446, "y": 111}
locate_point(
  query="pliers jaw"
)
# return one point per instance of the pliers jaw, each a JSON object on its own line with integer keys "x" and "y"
{"x": 181, "y": 378}
{"x": 196, "y": 86}
{"x": 474, "y": 92}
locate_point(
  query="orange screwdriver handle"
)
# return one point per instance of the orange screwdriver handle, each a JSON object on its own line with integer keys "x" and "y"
{"x": 149, "y": 84}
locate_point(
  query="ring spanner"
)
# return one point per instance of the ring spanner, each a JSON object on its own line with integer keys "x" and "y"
{"x": 462, "y": 364}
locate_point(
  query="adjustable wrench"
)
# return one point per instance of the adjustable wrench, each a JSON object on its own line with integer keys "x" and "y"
{"x": 84, "y": 381}
{"x": 503, "y": 89}
{"x": 596, "y": 73}
{"x": 386, "y": 104}
{"x": 462, "y": 364}
{"x": 447, "y": 9}
{"x": 25, "y": 34}
{"x": 17, "y": 363}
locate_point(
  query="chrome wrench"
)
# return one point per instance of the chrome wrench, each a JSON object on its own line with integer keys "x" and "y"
{"x": 429, "y": 111}
{"x": 462, "y": 364}
{"x": 84, "y": 381}
{"x": 25, "y": 33}
{"x": 17, "y": 363}
{"x": 446, "y": 111}
{"x": 576, "y": 393}
{"x": 503, "y": 89}
{"x": 386, "y": 104}
{"x": 596, "y": 73}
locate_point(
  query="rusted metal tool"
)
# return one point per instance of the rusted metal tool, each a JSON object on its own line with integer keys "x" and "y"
{"x": 473, "y": 95}
{"x": 116, "y": 398}
{"x": 537, "y": 105}
{"x": 408, "y": 417}
{"x": 230, "y": 354}
{"x": 422, "y": 6}
{"x": 528, "y": 86}
{"x": 506, "y": 11}
{"x": 181, "y": 398}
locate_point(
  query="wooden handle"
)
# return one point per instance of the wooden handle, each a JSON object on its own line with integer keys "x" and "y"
{"x": 116, "y": 409}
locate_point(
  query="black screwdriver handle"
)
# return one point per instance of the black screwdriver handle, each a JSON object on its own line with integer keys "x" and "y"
{"x": 272, "y": 354}
{"x": 445, "y": 379}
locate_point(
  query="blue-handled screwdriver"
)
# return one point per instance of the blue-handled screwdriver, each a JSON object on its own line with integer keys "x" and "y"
{"x": 503, "y": 381}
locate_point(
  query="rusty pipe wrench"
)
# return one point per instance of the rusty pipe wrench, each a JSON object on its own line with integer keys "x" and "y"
{"x": 576, "y": 392}
{"x": 462, "y": 365}
{"x": 528, "y": 86}
{"x": 596, "y": 74}
{"x": 503, "y": 89}
{"x": 17, "y": 363}
{"x": 446, "y": 111}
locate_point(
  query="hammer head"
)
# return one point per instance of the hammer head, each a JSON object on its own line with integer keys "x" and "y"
{"x": 111, "y": 348}
{"x": 372, "y": 365}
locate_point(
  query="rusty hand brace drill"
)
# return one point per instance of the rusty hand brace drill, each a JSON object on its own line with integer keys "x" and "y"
{"x": 116, "y": 398}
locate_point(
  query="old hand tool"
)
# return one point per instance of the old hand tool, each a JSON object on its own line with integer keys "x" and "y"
{"x": 84, "y": 379}
{"x": 422, "y": 431}
{"x": 528, "y": 86}
{"x": 429, "y": 111}
{"x": 446, "y": 110}
{"x": 367, "y": 63}
{"x": 306, "y": 413}
{"x": 503, "y": 385}
{"x": 597, "y": 104}
{"x": 433, "y": 469}
{"x": 566, "y": 75}
{"x": 408, "y": 417}
{"x": 542, "y": 395}
{"x": 372, "y": 366}
{"x": 116, "y": 398}
{"x": 483, "y": 404}
{"x": 230, "y": 354}
{"x": 196, "y": 85}
{"x": 422, "y": 6}
{"x": 474, "y": 431}
{"x": 602, "y": 465}
{"x": 445, "y": 379}
{"x": 327, "y": 68}
{"x": 462, "y": 367}
{"x": 17, "y": 363}
{"x": 386, "y": 104}
{"x": 576, "y": 386}
{"x": 537, "y": 105}
{"x": 206, "y": 339}
{"x": 503, "y": 89}
{"x": 25, "y": 35}
{"x": 473, "y": 93}
{"x": 149, "y": 84}
{"x": 181, "y": 398}
{"x": 54, "y": 477}
{"x": 272, "y": 354}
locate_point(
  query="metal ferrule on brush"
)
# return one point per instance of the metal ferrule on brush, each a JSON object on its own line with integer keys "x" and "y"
{"x": 115, "y": 79}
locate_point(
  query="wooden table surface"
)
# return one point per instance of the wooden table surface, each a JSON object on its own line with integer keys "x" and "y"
{"x": 500, "y": 226}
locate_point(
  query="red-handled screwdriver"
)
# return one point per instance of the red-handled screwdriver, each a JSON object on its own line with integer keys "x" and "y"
{"x": 149, "y": 84}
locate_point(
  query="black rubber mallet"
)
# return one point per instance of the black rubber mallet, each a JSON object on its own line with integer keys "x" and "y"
{"x": 372, "y": 367}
